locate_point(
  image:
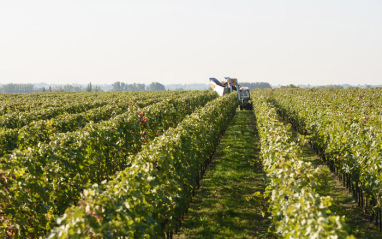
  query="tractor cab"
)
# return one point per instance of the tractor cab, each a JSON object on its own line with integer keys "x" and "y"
{"x": 244, "y": 98}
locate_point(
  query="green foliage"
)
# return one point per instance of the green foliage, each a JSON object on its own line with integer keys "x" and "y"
{"x": 297, "y": 210}
{"x": 345, "y": 126}
{"x": 43, "y": 181}
{"x": 43, "y": 130}
{"x": 145, "y": 199}
{"x": 155, "y": 86}
{"x": 21, "y": 116}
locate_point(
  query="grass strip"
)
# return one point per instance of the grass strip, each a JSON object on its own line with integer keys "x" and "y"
{"x": 229, "y": 203}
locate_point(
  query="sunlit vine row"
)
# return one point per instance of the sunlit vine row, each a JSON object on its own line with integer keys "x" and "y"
{"x": 40, "y": 182}
{"x": 297, "y": 210}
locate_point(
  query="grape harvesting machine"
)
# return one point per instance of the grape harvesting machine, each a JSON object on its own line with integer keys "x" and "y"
{"x": 232, "y": 85}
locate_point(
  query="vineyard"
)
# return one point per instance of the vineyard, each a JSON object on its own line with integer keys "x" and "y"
{"x": 130, "y": 164}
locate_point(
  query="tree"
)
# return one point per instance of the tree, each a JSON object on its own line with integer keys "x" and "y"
{"x": 59, "y": 88}
{"x": 117, "y": 86}
{"x": 97, "y": 89}
{"x": 89, "y": 88}
{"x": 155, "y": 86}
{"x": 122, "y": 87}
{"x": 141, "y": 87}
{"x": 135, "y": 87}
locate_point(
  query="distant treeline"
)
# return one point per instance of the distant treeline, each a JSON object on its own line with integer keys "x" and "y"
{"x": 116, "y": 86}
{"x": 17, "y": 88}
{"x": 344, "y": 86}
{"x": 30, "y": 88}
{"x": 154, "y": 86}
{"x": 255, "y": 85}
{"x": 320, "y": 86}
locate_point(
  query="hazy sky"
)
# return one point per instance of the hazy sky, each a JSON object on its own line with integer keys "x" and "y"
{"x": 175, "y": 41}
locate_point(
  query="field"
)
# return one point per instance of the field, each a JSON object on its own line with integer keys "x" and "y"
{"x": 305, "y": 163}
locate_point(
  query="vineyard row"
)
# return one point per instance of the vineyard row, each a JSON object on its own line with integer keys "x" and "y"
{"x": 297, "y": 210}
{"x": 42, "y": 181}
